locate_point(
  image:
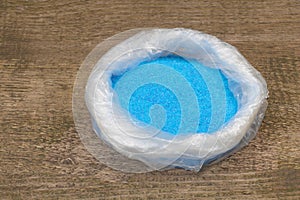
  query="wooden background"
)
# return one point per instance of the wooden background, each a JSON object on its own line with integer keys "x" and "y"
{"x": 43, "y": 43}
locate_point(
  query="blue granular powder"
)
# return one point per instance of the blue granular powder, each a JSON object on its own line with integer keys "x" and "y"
{"x": 176, "y": 95}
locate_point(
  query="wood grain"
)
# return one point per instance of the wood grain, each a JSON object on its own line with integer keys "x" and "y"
{"x": 42, "y": 44}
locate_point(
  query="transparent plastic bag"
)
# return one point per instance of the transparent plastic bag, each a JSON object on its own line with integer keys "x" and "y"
{"x": 129, "y": 146}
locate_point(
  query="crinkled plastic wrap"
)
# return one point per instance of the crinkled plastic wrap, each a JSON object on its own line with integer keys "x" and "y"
{"x": 154, "y": 148}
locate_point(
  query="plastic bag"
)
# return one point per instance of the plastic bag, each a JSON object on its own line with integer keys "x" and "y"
{"x": 156, "y": 149}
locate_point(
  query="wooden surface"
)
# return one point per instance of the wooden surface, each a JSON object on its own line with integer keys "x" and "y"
{"x": 42, "y": 44}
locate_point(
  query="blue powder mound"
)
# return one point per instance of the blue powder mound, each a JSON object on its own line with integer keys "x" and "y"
{"x": 176, "y": 95}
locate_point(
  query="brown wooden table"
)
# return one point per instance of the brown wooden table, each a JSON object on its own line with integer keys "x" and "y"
{"x": 43, "y": 43}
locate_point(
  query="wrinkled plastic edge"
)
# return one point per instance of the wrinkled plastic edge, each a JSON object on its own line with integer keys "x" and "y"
{"x": 250, "y": 135}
